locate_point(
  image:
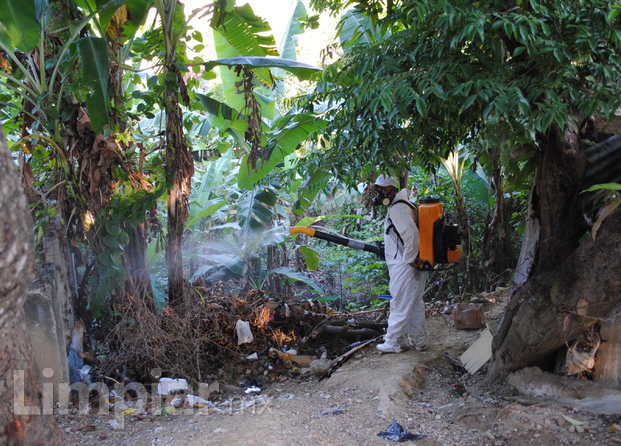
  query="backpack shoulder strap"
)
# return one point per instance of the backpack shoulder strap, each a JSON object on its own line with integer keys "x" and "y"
{"x": 409, "y": 203}
{"x": 412, "y": 206}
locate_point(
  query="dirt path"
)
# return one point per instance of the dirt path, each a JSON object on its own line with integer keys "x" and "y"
{"x": 367, "y": 390}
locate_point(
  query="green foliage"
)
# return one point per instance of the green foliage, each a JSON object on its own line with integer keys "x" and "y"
{"x": 255, "y": 209}
{"x": 607, "y": 186}
{"x": 239, "y": 32}
{"x": 358, "y": 276}
{"x": 247, "y": 32}
{"x": 388, "y": 103}
{"x": 137, "y": 11}
{"x": 124, "y": 211}
{"x": 356, "y": 28}
{"x": 317, "y": 179}
{"x": 452, "y": 72}
{"x": 224, "y": 118}
{"x": 301, "y": 70}
{"x": 286, "y": 135}
{"x": 311, "y": 257}
{"x": 294, "y": 28}
{"x": 19, "y": 25}
{"x": 297, "y": 276}
{"x": 94, "y": 62}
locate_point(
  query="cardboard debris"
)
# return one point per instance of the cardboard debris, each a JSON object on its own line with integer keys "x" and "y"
{"x": 479, "y": 353}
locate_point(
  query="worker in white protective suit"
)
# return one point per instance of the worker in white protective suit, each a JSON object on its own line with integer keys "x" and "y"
{"x": 406, "y": 321}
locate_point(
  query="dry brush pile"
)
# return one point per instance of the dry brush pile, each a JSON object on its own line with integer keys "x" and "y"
{"x": 202, "y": 345}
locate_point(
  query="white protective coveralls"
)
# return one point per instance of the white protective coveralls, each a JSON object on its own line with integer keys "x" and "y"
{"x": 407, "y": 284}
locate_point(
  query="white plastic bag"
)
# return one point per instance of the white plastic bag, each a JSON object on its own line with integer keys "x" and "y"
{"x": 244, "y": 334}
{"x": 166, "y": 386}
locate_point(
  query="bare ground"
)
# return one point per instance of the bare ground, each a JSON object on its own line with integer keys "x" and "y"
{"x": 450, "y": 409}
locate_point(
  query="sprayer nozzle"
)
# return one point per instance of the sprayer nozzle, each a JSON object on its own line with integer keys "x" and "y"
{"x": 306, "y": 230}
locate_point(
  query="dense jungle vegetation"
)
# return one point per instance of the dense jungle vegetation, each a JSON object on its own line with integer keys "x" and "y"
{"x": 168, "y": 146}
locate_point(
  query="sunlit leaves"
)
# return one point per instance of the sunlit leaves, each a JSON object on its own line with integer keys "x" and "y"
{"x": 285, "y": 136}
{"x": 294, "y": 28}
{"x": 248, "y": 33}
{"x": 301, "y": 70}
{"x": 311, "y": 257}
{"x": 19, "y": 28}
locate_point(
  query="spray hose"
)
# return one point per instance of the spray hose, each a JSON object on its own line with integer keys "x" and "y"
{"x": 310, "y": 231}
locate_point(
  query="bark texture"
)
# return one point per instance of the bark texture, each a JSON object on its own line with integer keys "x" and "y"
{"x": 179, "y": 171}
{"x": 565, "y": 284}
{"x": 555, "y": 307}
{"x": 15, "y": 350}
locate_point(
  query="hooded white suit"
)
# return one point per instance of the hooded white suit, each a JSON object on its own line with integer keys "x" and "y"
{"x": 407, "y": 284}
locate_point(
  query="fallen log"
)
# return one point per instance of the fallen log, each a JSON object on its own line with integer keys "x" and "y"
{"x": 339, "y": 361}
{"x": 350, "y": 333}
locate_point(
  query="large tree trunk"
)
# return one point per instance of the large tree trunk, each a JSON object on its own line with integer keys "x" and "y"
{"x": 19, "y": 376}
{"x": 565, "y": 284}
{"x": 553, "y": 308}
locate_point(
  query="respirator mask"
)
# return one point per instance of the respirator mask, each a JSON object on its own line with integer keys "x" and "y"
{"x": 381, "y": 199}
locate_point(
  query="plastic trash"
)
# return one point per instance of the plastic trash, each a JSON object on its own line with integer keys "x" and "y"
{"x": 252, "y": 389}
{"x": 333, "y": 411}
{"x": 166, "y": 386}
{"x": 197, "y": 401}
{"x": 385, "y": 296}
{"x": 395, "y": 432}
{"x": 85, "y": 374}
{"x": 191, "y": 400}
{"x": 253, "y": 356}
{"x": 244, "y": 334}
{"x": 250, "y": 382}
{"x": 114, "y": 424}
{"x": 168, "y": 410}
{"x": 75, "y": 364}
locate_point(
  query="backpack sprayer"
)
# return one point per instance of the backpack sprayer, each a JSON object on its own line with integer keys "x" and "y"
{"x": 439, "y": 241}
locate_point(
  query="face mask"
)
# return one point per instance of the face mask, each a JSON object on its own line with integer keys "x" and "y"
{"x": 381, "y": 200}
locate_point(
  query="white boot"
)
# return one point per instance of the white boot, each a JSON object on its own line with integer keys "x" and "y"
{"x": 388, "y": 348}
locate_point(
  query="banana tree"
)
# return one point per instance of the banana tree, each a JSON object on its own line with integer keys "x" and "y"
{"x": 179, "y": 162}
{"x": 66, "y": 64}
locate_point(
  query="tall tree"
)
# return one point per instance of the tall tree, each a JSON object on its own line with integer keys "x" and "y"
{"x": 524, "y": 75}
{"x": 16, "y": 363}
